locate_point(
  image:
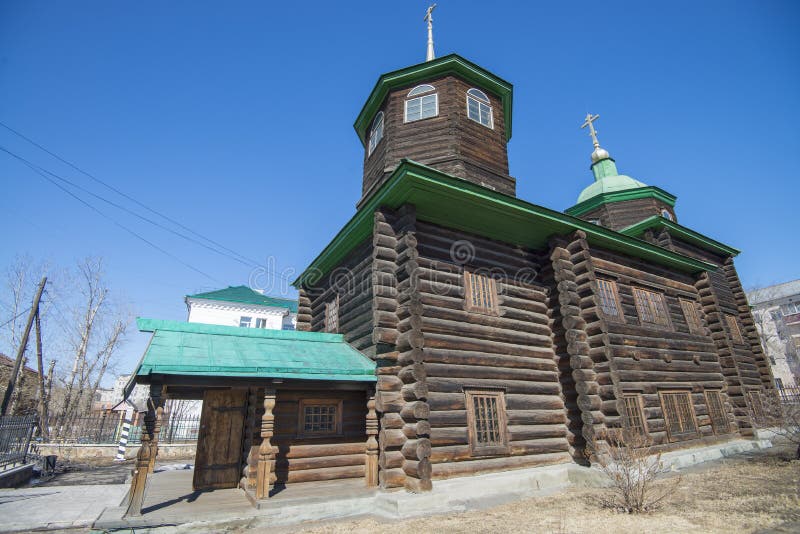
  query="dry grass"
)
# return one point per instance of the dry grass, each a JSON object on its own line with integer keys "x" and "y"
{"x": 742, "y": 494}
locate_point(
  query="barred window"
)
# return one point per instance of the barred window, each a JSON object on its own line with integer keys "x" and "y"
{"x": 651, "y": 306}
{"x": 716, "y": 411}
{"x": 678, "y": 414}
{"x": 332, "y": 315}
{"x": 692, "y": 315}
{"x": 756, "y": 406}
{"x": 320, "y": 417}
{"x": 422, "y": 107}
{"x": 635, "y": 421}
{"x": 486, "y": 414}
{"x": 480, "y": 292}
{"x": 733, "y": 326}
{"x": 609, "y": 299}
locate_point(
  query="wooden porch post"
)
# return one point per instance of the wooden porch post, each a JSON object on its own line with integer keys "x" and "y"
{"x": 147, "y": 452}
{"x": 372, "y": 442}
{"x": 158, "y": 402}
{"x": 266, "y": 458}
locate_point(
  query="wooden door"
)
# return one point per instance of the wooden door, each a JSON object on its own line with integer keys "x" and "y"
{"x": 219, "y": 443}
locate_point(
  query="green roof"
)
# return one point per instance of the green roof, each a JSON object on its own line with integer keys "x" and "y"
{"x": 686, "y": 234}
{"x": 197, "y": 349}
{"x": 450, "y": 64}
{"x": 245, "y": 295}
{"x": 619, "y": 195}
{"x": 455, "y": 203}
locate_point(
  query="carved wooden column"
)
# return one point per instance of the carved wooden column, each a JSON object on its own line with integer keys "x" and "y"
{"x": 372, "y": 443}
{"x": 158, "y": 398}
{"x": 146, "y": 454}
{"x": 266, "y": 458}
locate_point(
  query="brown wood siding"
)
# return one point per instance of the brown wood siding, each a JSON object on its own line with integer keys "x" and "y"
{"x": 450, "y": 142}
{"x": 618, "y": 215}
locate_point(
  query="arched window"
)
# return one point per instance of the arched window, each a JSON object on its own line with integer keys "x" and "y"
{"x": 479, "y": 108}
{"x": 422, "y": 105}
{"x": 376, "y": 134}
{"x": 667, "y": 215}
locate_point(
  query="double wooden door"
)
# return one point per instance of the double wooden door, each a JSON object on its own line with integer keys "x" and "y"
{"x": 219, "y": 443}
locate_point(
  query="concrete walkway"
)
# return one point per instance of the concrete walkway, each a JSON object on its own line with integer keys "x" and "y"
{"x": 56, "y": 507}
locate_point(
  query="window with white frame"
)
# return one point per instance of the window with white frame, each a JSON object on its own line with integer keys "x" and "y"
{"x": 261, "y": 322}
{"x": 422, "y": 105}
{"x": 479, "y": 108}
{"x": 376, "y": 133}
{"x": 244, "y": 321}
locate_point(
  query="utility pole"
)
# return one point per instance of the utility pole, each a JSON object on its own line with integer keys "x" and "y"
{"x": 40, "y": 367}
{"x": 22, "y": 346}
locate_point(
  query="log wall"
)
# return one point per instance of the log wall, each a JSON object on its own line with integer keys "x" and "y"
{"x": 618, "y": 215}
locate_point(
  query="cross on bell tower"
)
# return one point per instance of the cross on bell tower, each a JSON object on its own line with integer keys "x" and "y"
{"x": 430, "y": 56}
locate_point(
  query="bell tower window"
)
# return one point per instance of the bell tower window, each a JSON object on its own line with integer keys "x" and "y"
{"x": 479, "y": 108}
{"x": 422, "y": 105}
{"x": 376, "y": 133}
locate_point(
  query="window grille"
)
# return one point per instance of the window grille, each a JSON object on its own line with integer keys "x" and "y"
{"x": 716, "y": 411}
{"x": 376, "y": 134}
{"x": 690, "y": 312}
{"x": 332, "y": 315}
{"x": 733, "y": 326}
{"x": 609, "y": 299}
{"x": 678, "y": 414}
{"x": 421, "y": 107}
{"x": 479, "y": 108}
{"x": 635, "y": 421}
{"x": 480, "y": 292}
{"x": 487, "y": 421}
{"x": 320, "y": 417}
{"x": 756, "y": 406}
{"x": 650, "y": 306}
{"x": 245, "y": 321}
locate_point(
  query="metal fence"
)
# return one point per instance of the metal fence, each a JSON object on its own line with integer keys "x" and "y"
{"x": 106, "y": 428}
{"x": 15, "y": 438}
{"x": 790, "y": 395}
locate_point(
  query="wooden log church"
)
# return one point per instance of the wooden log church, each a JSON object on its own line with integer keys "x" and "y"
{"x": 451, "y": 328}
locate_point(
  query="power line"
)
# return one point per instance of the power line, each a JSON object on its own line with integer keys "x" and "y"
{"x": 104, "y": 215}
{"x": 17, "y": 316}
{"x": 117, "y": 191}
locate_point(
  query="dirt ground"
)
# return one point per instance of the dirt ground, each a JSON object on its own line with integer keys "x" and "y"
{"x": 748, "y": 493}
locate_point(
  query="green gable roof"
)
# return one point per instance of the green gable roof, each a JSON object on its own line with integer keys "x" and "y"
{"x": 197, "y": 349}
{"x": 686, "y": 234}
{"x": 245, "y": 295}
{"x": 449, "y": 201}
{"x": 451, "y": 64}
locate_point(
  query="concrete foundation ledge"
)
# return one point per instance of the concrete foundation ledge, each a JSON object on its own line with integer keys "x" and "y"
{"x": 687, "y": 457}
{"x": 108, "y": 451}
{"x": 16, "y": 476}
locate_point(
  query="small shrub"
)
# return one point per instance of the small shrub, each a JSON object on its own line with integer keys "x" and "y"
{"x": 634, "y": 468}
{"x": 783, "y": 416}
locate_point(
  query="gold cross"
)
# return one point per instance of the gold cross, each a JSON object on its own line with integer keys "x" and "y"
{"x": 592, "y": 132}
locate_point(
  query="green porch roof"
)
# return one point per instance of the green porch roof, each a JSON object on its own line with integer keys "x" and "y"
{"x": 450, "y": 64}
{"x": 686, "y": 234}
{"x": 245, "y": 295}
{"x": 197, "y": 349}
{"x": 449, "y": 201}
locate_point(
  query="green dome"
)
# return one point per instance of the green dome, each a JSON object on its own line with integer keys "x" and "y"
{"x": 609, "y": 184}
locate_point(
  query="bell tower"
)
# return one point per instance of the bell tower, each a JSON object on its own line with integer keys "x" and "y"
{"x": 447, "y": 113}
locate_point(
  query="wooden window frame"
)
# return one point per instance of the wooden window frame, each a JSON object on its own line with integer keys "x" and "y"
{"x": 638, "y": 293}
{"x": 756, "y": 409}
{"x": 498, "y": 448}
{"x": 375, "y": 133}
{"x": 481, "y": 99}
{"x": 693, "y": 309}
{"x": 490, "y": 287}
{"x": 732, "y": 322}
{"x": 612, "y": 284}
{"x": 663, "y": 395}
{"x": 628, "y": 400}
{"x": 716, "y": 413}
{"x": 301, "y": 412}
{"x": 328, "y": 305}
{"x": 420, "y": 92}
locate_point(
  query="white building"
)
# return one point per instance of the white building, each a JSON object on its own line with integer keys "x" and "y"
{"x": 776, "y": 311}
{"x": 242, "y": 306}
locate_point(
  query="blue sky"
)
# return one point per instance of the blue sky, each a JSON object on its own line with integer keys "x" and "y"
{"x": 235, "y": 118}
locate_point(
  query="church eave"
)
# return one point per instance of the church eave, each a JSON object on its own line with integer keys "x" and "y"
{"x": 449, "y": 201}
{"x": 619, "y": 196}
{"x": 450, "y": 64}
{"x": 681, "y": 232}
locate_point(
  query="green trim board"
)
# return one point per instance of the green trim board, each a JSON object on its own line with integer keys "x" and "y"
{"x": 455, "y": 203}
{"x": 197, "y": 349}
{"x": 246, "y": 295}
{"x": 682, "y": 232}
{"x": 450, "y": 64}
{"x": 596, "y": 201}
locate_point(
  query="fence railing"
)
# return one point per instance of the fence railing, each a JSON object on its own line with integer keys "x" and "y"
{"x": 15, "y": 438}
{"x": 106, "y": 428}
{"x": 790, "y": 395}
